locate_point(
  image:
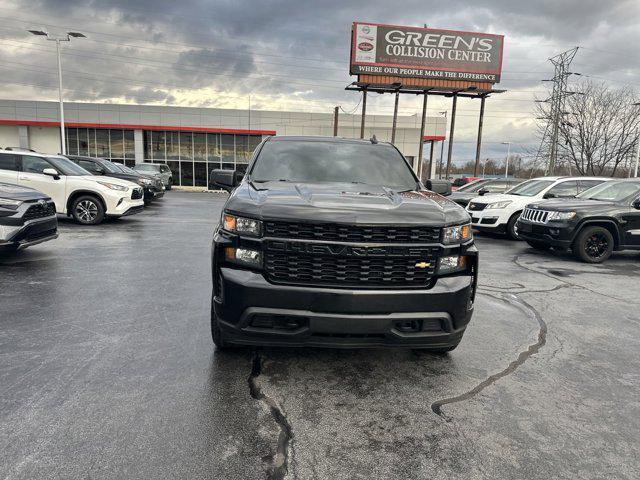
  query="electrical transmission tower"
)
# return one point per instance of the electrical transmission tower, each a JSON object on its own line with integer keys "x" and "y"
{"x": 561, "y": 62}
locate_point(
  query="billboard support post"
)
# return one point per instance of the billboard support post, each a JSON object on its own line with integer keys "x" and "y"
{"x": 431, "y": 173}
{"x": 479, "y": 142}
{"x": 395, "y": 118}
{"x": 364, "y": 111}
{"x": 422, "y": 125}
{"x": 335, "y": 121}
{"x": 451, "y": 130}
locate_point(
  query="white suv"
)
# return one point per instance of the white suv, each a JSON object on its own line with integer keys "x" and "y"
{"x": 74, "y": 190}
{"x": 499, "y": 213}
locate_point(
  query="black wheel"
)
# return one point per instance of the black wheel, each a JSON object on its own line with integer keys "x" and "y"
{"x": 216, "y": 333}
{"x": 512, "y": 229}
{"x": 87, "y": 210}
{"x": 593, "y": 245}
{"x": 169, "y": 183}
{"x": 538, "y": 245}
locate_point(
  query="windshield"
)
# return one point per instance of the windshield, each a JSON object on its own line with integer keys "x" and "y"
{"x": 614, "y": 191}
{"x": 125, "y": 169}
{"x": 147, "y": 167}
{"x": 110, "y": 167}
{"x": 66, "y": 166}
{"x": 472, "y": 186}
{"x": 530, "y": 188}
{"x": 333, "y": 162}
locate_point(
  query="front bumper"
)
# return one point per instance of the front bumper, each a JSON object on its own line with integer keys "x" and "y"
{"x": 555, "y": 234}
{"x": 30, "y": 233}
{"x": 490, "y": 220}
{"x": 152, "y": 194}
{"x": 252, "y": 311}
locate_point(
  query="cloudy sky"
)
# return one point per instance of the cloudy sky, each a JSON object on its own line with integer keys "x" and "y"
{"x": 293, "y": 54}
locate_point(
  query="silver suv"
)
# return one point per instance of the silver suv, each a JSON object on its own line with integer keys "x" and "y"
{"x": 156, "y": 168}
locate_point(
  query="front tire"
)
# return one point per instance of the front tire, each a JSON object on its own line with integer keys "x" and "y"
{"x": 87, "y": 210}
{"x": 512, "y": 229}
{"x": 169, "y": 183}
{"x": 593, "y": 245}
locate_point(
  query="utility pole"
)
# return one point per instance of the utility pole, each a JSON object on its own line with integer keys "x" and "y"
{"x": 65, "y": 38}
{"x": 506, "y": 168}
{"x": 561, "y": 62}
{"x": 442, "y": 144}
{"x": 335, "y": 121}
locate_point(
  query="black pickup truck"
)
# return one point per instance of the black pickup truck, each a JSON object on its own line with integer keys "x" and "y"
{"x": 594, "y": 224}
{"x": 335, "y": 242}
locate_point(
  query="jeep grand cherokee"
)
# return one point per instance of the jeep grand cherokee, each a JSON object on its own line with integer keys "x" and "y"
{"x": 335, "y": 242}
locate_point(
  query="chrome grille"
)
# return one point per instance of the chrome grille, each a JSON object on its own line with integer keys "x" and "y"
{"x": 535, "y": 216}
{"x": 39, "y": 211}
{"x": 476, "y": 207}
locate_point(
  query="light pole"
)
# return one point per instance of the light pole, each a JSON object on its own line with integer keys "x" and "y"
{"x": 506, "y": 168}
{"x": 442, "y": 143}
{"x": 64, "y": 38}
{"x": 635, "y": 174}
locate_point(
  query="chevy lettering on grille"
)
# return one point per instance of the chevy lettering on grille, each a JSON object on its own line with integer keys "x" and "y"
{"x": 347, "y": 250}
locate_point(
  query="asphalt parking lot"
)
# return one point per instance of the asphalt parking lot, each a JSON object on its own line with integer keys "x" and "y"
{"x": 107, "y": 370}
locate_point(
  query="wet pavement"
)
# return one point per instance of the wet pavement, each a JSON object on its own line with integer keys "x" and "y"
{"x": 107, "y": 371}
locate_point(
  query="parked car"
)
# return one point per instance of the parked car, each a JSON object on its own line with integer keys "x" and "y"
{"x": 27, "y": 217}
{"x": 481, "y": 187}
{"x": 154, "y": 168}
{"x": 461, "y": 181}
{"x": 152, "y": 187}
{"x": 333, "y": 242}
{"x": 594, "y": 224}
{"x": 499, "y": 213}
{"x": 75, "y": 192}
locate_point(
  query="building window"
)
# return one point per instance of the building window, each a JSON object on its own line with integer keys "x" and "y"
{"x": 192, "y": 156}
{"x": 111, "y": 144}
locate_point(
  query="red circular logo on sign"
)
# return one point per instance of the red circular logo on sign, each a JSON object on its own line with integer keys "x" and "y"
{"x": 365, "y": 46}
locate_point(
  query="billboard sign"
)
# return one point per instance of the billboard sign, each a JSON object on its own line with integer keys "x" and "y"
{"x": 425, "y": 53}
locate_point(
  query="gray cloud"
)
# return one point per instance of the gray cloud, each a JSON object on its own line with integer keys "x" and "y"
{"x": 144, "y": 51}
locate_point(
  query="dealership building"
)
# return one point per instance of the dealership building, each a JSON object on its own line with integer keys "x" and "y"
{"x": 192, "y": 141}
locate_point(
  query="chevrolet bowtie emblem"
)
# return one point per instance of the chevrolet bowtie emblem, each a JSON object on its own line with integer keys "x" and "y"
{"x": 423, "y": 265}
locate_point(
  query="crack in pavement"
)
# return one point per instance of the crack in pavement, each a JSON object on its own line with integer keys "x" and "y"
{"x": 516, "y": 261}
{"x": 436, "y": 407}
{"x": 279, "y": 464}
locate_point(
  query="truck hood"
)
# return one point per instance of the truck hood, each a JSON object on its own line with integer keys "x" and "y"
{"x": 19, "y": 193}
{"x": 502, "y": 197}
{"x": 344, "y": 203}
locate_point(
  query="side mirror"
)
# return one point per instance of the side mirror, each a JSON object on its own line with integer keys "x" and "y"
{"x": 636, "y": 204}
{"x": 443, "y": 187}
{"x": 52, "y": 172}
{"x": 224, "y": 179}
{"x": 549, "y": 195}
{"x": 483, "y": 191}
{"x": 99, "y": 170}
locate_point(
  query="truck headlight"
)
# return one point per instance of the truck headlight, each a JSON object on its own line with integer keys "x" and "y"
{"x": 243, "y": 256}
{"x": 457, "y": 234}
{"x": 113, "y": 186}
{"x": 145, "y": 181}
{"x": 452, "y": 263}
{"x": 561, "y": 215}
{"x": 242, "y": 225}
{"x": 8, "y": 203}
{"x": 498, "y": 205}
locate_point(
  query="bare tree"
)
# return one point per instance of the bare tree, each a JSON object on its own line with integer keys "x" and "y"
{"x": 599, "y": 129}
